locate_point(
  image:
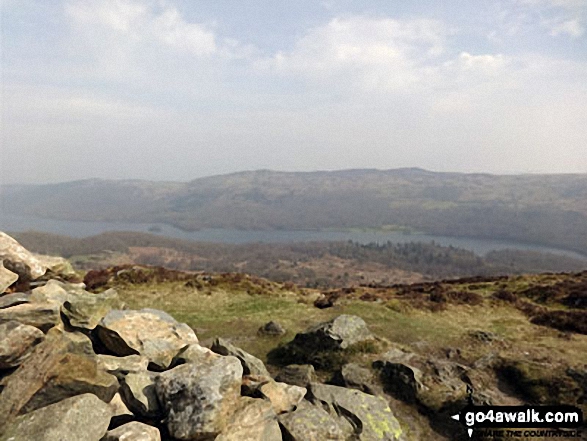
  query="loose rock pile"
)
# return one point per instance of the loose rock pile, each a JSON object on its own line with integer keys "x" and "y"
{"x": 75, "y": 365}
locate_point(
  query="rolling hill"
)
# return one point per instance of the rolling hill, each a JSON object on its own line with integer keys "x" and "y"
{"x": 542, "y": 209}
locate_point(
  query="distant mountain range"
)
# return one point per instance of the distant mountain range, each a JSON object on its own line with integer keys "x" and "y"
{"x": 542, "y": 209}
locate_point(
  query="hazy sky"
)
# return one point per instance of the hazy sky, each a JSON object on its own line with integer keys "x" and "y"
{"x": 178, "y": 89}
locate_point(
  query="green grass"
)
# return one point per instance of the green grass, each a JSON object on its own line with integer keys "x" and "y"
{"x": 222, "y": 310}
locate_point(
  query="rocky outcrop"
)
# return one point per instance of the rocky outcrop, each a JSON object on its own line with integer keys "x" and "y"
{"x": 338, "y": 333}
{"x": 325, "y": 344}
{"x": 155, "y": 378}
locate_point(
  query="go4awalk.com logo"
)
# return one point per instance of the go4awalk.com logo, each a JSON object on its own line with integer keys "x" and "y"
{"x": 522, "y": 421}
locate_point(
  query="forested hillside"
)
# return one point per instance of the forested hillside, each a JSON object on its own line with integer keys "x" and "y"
{"x": 542, "y": 209}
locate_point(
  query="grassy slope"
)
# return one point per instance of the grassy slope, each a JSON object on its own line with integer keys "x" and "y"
{"x": 222, "y": 307}
{"x": 234, "y": 306}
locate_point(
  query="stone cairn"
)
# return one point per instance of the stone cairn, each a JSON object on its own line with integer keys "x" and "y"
{"x": 80, "y": 366}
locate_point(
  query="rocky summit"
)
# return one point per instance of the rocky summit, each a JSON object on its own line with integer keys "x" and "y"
{"x": 110, "y": 358}
{"x": 76, "y": 365}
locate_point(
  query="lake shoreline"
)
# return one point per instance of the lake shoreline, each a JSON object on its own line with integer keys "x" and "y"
{"x": 363, "y": 235}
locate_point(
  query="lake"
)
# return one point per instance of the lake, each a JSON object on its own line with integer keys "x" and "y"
{"x": 83, "y": 229}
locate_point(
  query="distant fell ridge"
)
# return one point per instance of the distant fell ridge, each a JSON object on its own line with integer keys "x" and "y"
{"x": 542, "y": 209}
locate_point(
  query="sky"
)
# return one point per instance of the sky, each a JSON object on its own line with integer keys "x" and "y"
{"x": 178, "y": 89}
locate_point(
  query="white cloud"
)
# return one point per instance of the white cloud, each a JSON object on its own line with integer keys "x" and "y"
{"x": 376, "y": 52}
{"x": 572, "y": 28}
{"x": 136, "y": 21}
{"x": 559, "y": 17}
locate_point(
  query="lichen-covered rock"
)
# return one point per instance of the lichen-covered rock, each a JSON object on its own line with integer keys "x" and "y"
{"x": 7, "y": 277}
{"x": 297, "y": 374}
{"x": 80, "y": 418}
{"x": 283, "y": 397}
{"x": 40, "y": 315}
{"x": 252, "y": 420}
{"x": 251, "y": 364}
{"x": 85, "y": 310}
{"x": 148, "y": 332}
{"x": 139, "y": 395}
{"x": 198, "y": 398}
{"x": 16, "y": 343}
{"x": 19, "y": 260}
{"x": 311, "y": 423}
{"x": 58, "y": 368}
{"x": 133, "y": 431}
{"x": 377, "y": 421}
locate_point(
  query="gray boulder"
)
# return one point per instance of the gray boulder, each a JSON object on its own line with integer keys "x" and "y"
{"x": 7, "y": 278}
{"x": 251, "y": 420}
{"x": 297, "y": 374}
{"x": 148, "y": 332}
{"x": 338, "y": 333}
{"x": 133, "y": 431}
{"x": 40, "y": 315}
{"x": 80, "y": 418}
{"x": 16, "y": 343}
{"x": 353, "y": 376}
{"x": 198, "y": 398}
{"x": 251, "y": 364}
{"x": 370, "y": 417}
